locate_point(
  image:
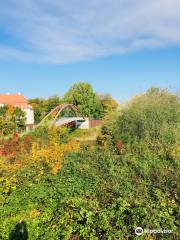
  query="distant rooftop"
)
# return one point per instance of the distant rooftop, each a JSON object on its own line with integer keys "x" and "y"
{"x": 16, "y": 99}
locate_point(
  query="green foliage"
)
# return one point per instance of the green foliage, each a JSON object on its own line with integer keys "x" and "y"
{"x": 108, "y": 103}
{"x": 12, "y": 119}
{"x": 42, "y": 133}
{"x": 150, "y": 121}
{"x": 98, "y": 192}
{"x": 82, "y": 95}
{"x": 43, "y": 106}
{"x": 96, "y": 195}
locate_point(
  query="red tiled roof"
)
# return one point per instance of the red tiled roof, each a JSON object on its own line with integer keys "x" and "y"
{"x": 14, "y": 99}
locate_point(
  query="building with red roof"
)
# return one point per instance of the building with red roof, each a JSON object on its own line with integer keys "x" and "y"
{"x": 18, "y": 100}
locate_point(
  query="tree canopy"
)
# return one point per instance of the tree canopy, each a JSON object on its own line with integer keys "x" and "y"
{"x": 151, "y": 119}
{"x": 82, "y": 95}
{"x": 42, "y": 106}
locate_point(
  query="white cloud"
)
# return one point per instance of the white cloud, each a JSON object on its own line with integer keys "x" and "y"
{"x": 75, "y": 30}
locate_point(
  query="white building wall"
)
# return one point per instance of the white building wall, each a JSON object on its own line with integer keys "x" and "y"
{"x": 85, "y": 125}
{"x": 29, "y": 115}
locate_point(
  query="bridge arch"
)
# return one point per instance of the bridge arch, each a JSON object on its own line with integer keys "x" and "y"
{"x": 57, "y": 110}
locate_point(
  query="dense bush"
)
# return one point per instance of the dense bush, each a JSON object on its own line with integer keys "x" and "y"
{"x": 12, "y": 119}
{"x": 62, "y": 190}
{"x": 149, "y": 122}
{"x": 95, "y": 195}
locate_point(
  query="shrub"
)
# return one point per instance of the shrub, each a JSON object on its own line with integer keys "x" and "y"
{"x": 12, "y": 119}
{"x": 64, "y": 191}
{"x": 150, "y": 121}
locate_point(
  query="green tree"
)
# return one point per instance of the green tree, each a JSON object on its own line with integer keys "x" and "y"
{"x": 12, "y": 119}
{"x": 43, "y": 106}
{"x": 109, "y": 104}
{"x": 151, "y": 119}
{"x": 82, "y": 95}
{"x": 38, "y": 107}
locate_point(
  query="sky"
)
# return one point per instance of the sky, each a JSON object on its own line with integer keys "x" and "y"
{"x": 121, "y": 47}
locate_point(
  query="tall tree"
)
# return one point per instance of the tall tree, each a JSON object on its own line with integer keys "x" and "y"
{"x": 82, "y": 95}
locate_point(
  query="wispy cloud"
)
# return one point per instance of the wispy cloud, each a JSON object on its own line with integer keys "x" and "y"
{"x": 75, "y": 30}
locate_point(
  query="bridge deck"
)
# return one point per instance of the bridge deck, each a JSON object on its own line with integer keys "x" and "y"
{"x": 68, "y": 120}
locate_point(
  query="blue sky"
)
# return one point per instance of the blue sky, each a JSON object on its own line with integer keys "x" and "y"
{"x": 121, "y": 47}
